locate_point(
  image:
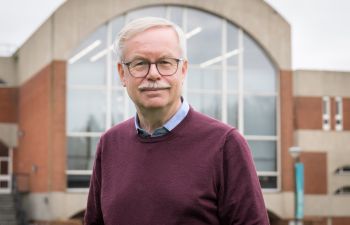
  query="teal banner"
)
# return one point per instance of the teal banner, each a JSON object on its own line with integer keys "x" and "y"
{"x": 299, "y": 184}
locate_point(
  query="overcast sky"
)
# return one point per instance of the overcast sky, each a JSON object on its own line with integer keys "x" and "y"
{"x": 320, "y": 28}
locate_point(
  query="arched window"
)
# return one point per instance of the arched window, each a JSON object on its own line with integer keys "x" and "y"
{"x": 231, "y": 79}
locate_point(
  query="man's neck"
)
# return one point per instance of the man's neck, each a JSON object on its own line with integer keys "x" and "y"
{"x": 151, "y": 119}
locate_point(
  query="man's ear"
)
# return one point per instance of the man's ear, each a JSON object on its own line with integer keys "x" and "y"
{"x": 121, "y": 73}
{"x": 184, "y": 69}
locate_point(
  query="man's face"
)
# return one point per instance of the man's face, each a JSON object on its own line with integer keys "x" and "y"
{"x": 152, "y": 45}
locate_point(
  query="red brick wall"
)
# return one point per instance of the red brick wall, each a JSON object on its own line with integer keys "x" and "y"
{"x": 286, "y": 95}
{"x": 41, "y": 152}
{"x": 8, "y": 105}
{"x": 346, "y": 113}
{"x": 315, "y": 166}
{"x": 308, "y": 113}
{"x": 341, "y": 221}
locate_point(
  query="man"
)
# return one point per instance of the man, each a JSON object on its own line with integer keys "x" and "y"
{"x": 170, "y": 164}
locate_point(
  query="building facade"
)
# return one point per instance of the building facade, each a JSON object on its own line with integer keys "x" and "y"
{"x": 60, "y": 92}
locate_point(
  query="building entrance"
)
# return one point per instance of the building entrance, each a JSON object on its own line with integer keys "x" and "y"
{"x": 5, "y": 169}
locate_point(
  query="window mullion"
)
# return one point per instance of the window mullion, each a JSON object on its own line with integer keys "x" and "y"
{"x": 240, "y": 83}
{"x": 224, "y": 72}
{"x": 109, "y": 78}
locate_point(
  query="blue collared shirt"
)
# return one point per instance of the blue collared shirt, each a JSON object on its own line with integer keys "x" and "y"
{"x": 168, "y": 126}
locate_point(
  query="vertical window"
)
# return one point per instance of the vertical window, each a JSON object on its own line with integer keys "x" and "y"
{"x": 338, "y": 117}
{"x": 326, "y": 113}
{"x": 232, "y": 80}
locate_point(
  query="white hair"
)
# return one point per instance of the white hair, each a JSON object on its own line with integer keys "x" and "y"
{"x": 139, "y": 25}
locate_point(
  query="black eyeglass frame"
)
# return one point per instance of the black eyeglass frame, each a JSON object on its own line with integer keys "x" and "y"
{"x": 127, "y": 64}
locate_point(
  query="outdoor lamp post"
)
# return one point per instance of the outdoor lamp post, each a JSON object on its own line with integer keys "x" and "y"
{"x": 299, "y": 185}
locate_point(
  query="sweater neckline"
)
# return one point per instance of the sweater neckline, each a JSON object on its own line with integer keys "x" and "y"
{"x": 169, "y": 135}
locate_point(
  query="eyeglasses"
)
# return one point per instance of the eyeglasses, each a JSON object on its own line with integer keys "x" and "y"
{"x": 165, "y": 66}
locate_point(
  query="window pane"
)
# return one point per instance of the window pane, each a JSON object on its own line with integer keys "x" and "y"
{"x": 78, "y": 181}
{"x": 81, "y": 152}
{"x": 117, "y": 25}
{"x": 86, "y": 111}
{"x": 176, "y": 15}
{"x": 209, "y": 37}
{"x": 209, "y": 104}
{"x": 86, "y": 71}
{"x": 232, "y": 114}
{"x": 268, "y": 181}
{"x": 117, "y": 106}
{"x": 259, "y": 73}
{"x": 205, "y": 79}
{"x": 232, "y": 44}
{"x": 264, "y": 154}
{"x": 232, "y": 80}
{"x": 260, "y": 115}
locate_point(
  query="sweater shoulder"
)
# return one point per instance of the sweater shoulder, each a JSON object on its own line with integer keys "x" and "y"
{"x": 124, "y": 128}
{"x": 205, "y": 122}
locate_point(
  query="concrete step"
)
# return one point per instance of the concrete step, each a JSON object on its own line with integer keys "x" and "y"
{"x": 7, "y": 210}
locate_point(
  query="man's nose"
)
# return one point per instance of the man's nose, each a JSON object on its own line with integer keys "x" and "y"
{"x": 153, "y": 73}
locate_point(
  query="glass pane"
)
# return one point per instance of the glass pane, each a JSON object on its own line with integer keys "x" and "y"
{"x": 264, "y": 154}
{"x": 78, "y": 181}
{"x": 4, "y": 166}
{"x": 158, "y": 11}
{"x": 86, "y": 111}
{"x": 232, "y": 114}
{"x": 131, "y": 108}
{"x": 117, "y": 25}
{"x": 232, "y": 44}
{"x": 117, "y": 106}
{"x": 259, "y": 73}
{"x": 205, "y": 79}
{"x": 209, "y": 104}
{"x": 90, "y": 68}
{"x": 208, "y": 38}
{"x": 4, "y": 184}
{"x": 232, "y": 80}
{"x": 268, "y": 181}
{"x": 260, "y": 115}
{"x": 81, "y": 152}
{"x": 176, "y": 15}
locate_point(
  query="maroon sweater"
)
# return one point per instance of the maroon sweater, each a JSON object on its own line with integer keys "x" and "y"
{"x": 200, "y": 173}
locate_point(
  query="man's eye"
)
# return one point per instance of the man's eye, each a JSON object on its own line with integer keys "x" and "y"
{"x": 164, "y": 62}
{"x": 138, "y": 63}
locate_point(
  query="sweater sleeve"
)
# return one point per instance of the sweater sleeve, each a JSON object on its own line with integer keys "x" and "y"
{"x": 240, "y": 198}
{"x": 93, "y": 213}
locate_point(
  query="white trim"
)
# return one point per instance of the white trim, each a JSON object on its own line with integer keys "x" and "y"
{"x": 326, "y": 111}
{"x": 261, "y": 138}
{"x": 78, "y": 172}
{"x": 267, "y": 173}
{"x": 77, "y": 190}
{"x": 224, "y": 96}
{"x": 109, "y": 78}
{"x": 338, "y": 117}
{"x": 240, "y": 82}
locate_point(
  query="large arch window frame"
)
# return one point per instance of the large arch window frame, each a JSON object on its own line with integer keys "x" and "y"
{"x": 220, "y": 63}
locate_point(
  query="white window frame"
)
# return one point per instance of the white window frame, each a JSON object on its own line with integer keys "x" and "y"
{"x": 338, "y": 117}
{"x": 326, "y": 113}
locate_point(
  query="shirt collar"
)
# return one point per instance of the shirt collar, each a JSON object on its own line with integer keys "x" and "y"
{"x": 169, "y": 125}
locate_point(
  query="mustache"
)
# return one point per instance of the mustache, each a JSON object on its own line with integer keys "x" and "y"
{"x": 153, "y": 86}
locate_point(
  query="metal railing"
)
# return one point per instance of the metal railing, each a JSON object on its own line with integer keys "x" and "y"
{"x": 20, "y": 187}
